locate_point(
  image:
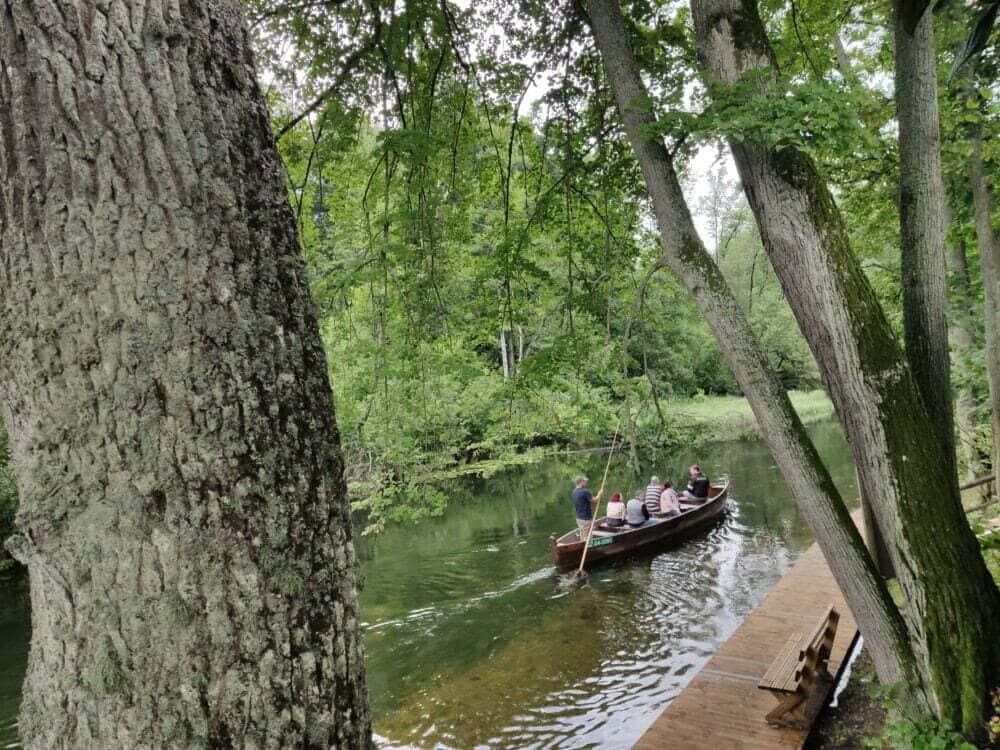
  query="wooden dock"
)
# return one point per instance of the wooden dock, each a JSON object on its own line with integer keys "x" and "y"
{"x": 722, "y": 708}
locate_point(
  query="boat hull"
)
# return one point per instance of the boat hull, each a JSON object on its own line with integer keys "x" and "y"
{"x": 566, "y": 552}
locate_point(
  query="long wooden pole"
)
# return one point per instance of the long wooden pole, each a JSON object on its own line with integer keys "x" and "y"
{"x": 600, "y": 492}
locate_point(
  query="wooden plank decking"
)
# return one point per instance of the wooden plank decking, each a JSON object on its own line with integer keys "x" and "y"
{"x": 722, "y": 708}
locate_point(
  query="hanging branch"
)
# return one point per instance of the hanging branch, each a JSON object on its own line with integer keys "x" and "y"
{"x": 802, "y": 45}
{"x": 350, "y": 64}
{"x": 317, "y": 135}
{"x": 289, "y": 8}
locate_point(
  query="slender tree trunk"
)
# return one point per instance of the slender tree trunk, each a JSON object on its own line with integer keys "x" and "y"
{"x": 951, "y": 598}
{"x": 843, "y": 61}
{"x": 989, "y": 255}
{"x": 806, "y": 475}
{"x": 922, "y": 213}
{"x": 183, "y": 514}
{"x": 504, "y": 353}
{"x": 963, "y": 344}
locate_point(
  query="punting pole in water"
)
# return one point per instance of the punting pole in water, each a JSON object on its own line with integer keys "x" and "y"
{"x": 593, "y": 519}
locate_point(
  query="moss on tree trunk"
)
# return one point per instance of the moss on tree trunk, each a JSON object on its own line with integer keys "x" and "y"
{"x": 922, "y": 217}
{"x": 951, "y": 600}
{"x": 806, "y": 475}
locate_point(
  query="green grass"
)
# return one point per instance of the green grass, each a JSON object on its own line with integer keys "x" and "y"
{"x": 716, "y": 418}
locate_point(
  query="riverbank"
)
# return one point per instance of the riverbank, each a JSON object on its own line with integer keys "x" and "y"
{"x": 694, "y": 423}
{"x": 473, "y": 640}
{"x": 408, "y": 493}
{"x": 858, "y": 716}
{"x": 711, "y": 419}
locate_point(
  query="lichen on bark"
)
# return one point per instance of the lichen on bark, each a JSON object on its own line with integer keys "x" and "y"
{"x": 183, "y": 511}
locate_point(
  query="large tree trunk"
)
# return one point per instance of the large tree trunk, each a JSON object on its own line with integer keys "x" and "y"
{"x": 904, "y": 471}
{"x": 922, "y": 216}
{"x": 806, "y": 475}
{"x": 989, "y": 255}
{"x": 183, "y": 513}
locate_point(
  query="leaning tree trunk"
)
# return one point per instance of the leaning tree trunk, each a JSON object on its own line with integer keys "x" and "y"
{"x": 922, "y": 216}
{"x": 779, "y": 424}
{"x": 183, "y": 513}
{"x": 989, "y": 256}
{"x": 904, "y": 471}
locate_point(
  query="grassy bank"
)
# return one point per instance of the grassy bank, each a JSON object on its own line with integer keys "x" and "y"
{"x": 422, "y": 489}
{"x": 709, "y": 419}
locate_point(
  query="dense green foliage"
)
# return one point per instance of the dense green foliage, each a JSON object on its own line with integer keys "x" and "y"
{"x": 909, "y": 733}
{"x": 455, "y": 265}
{"x": 8, "y": 498}
{"x": 485, "y": 274}
{"x": 480, "y": 247}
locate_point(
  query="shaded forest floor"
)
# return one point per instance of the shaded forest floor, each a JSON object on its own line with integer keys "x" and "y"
{"x": 858, "y": 716}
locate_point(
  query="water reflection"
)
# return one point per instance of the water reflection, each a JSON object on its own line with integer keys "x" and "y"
{"x": 474, "y": 640}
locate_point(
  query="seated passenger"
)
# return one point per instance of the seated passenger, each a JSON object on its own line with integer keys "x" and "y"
{"x": 616, "y": 511}
{"x": 670, "y": 504}
{"x": 697, "y": 489}
{"x": 652, "y": 495}
{"x": 636, "y": 513}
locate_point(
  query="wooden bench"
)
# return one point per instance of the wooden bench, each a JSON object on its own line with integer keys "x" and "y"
{"x": 798, "y": 677}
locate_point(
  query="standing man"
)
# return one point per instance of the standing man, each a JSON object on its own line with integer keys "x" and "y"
{"x": 583, "y": 506}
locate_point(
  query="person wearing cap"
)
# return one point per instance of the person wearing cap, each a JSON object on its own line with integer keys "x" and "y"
{"x": 583, "y": 506}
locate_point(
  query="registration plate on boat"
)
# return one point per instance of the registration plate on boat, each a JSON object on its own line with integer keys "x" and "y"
{"x": 601, "y": 541}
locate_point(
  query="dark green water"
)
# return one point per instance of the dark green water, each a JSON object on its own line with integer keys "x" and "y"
{"x": 475, "y": 641}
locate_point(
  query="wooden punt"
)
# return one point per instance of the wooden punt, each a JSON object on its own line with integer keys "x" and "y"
{"x": 606, "y": 544}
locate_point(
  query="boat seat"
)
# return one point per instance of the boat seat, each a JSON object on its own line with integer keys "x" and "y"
{"x": 602, "y": 531}
{"x": 609, "y": 530}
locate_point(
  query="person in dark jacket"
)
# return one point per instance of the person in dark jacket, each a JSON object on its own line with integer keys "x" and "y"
{"x": 697, "y": 489}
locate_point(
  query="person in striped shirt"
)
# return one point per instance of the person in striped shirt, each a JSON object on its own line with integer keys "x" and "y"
{"x": 652, "y": 496}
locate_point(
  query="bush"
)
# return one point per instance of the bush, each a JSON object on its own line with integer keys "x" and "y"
{"x": 922, "y": 733}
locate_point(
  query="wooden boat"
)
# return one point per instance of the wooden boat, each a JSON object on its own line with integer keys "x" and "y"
{"x": 608, "y": 543}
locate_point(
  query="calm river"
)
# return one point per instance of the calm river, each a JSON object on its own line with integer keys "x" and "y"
{"x": 475, "y": 641}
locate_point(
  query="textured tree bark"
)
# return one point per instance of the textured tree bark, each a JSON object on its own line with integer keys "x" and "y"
{"x": 874, "y": 540}
{"x": 922, "y": 213}
{"x": 802, "y": 468}
{"x": 183, "y": 514}
{"x": 989, "y": 256}
{"x": 951, "y": 599}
